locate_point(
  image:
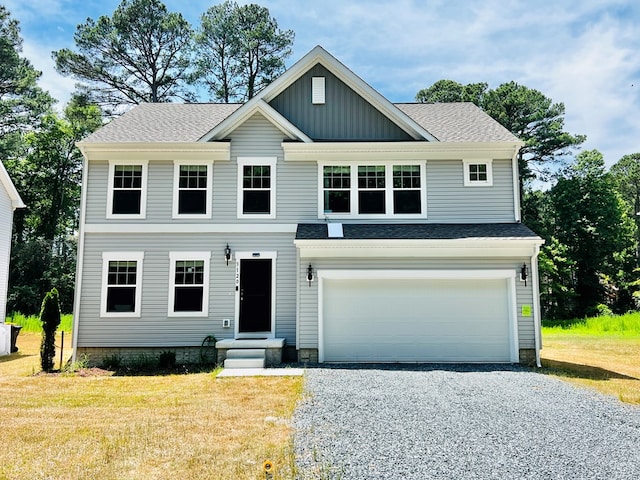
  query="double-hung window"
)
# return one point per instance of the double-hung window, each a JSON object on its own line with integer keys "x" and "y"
{"x": 376, "y": 190}
{"x": 256, "y": 187}
{"x": 121, "y": 284}
{"x": 126, "y": 194}
{"x": 192, "y": 189}
{"x": 477, "y": 173}
{"x": 189, "y": 284}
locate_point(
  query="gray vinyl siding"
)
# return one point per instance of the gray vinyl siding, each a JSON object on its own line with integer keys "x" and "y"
{"x": 154, "y": 328}
{"x": 448, "y": 200}
{"x": 308, "y": 321}
{"x": 6, "y": 219}
{"x": 344, "y": 116}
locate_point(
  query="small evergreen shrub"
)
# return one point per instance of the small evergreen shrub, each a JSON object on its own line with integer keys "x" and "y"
{"x": 167, "y": 360}
{"x": 50, "y": 319}
{"x": 112, "y": 362}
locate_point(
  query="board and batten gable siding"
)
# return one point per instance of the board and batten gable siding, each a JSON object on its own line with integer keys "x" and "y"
{"x": 345, "y": 115}
{"x": 308, "y": 310}
{"x": 154, "y": 328}
{"x": 448, "y": 200}
{"x": 6, "y": 222}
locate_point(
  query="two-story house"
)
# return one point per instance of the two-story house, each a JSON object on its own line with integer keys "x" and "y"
{"x": 318, "y": 217}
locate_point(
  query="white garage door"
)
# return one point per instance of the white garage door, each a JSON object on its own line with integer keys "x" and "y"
{"x": 416, "y": 320}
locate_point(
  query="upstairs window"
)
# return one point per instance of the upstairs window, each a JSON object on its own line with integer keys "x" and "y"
{"x": 192, "y": 190}
{"x": 337, "y": 188}
{"x": 121, "y": 284}
{"x": 407, "y": 189}
{"x": 372, "y": 191}
{"x": 256, "y": 187}
{"x": 126, "y": 195}
{"x": 189, "y": 287}
{"x": 477, "y": 173}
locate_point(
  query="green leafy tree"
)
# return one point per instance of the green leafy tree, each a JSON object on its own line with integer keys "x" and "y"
{"x": 140, "y": 54}
{"x": 49, "y": 177}
{"x": 626, "y": 177}
{"x": 239, "y": 50}
{"x": 525, "y": 112}
{"x": 591, "y": 219}
{"x": 50, "y": 319}
{"x": 22, "y": 102}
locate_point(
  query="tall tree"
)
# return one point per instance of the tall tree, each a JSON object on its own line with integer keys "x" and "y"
{"x": 239, "y": 50}
{"x": 140, "y": 54}
{"x": 591, "y": 219}
{"x": 525, "y": 112}
{"x": 48, "y": 177}
{"x": 626, "y": 178}
{"x": 22, "y": 102}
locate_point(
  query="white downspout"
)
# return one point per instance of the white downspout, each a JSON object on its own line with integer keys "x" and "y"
{"x": 536, "y": 303}
{"x": 516, "y": 186}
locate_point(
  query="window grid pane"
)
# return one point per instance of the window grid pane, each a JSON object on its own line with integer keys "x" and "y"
{"x": 193, "y": 177}
{"x": 189, "y": 272}
{"x": 337, "y": 185}
{"x": 406, "y": 177}
{"x": 478, "y": 172}
{"x": 122, "y": 272}
{"x": 337, "y": 177}
{"x": 256, "y": 177}
{"x": 371, "y": 177}
{"x": 127, "y": 177}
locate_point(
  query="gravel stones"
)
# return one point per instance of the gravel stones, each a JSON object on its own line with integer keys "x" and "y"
{"x": 460, "y": 422}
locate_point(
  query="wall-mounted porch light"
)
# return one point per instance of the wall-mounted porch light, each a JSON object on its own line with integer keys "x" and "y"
{"x": 523, "y": 273}
{"x": 227, "y": 253}
{"x": 309, "y": 274}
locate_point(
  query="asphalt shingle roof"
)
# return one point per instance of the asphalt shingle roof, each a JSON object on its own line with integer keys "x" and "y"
{"x": 417, "y": 231}
{"x": 189, "y": 122}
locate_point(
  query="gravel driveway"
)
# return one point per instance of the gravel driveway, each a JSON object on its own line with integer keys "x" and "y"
{"x": 434, "y": 422}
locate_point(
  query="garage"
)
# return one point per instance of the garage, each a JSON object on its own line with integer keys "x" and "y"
{"x": 417, "y": 316}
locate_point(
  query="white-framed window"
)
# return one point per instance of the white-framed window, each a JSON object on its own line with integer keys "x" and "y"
{"x": 257, "y": 187}
{"x": 192, "y": 189}
{"x": 121, "y": 284}
{"x": 477, "y": 173}
{"x": 372, "y": 190}
{"x": 189, "y": 284}
{"x": 127, "y": 189}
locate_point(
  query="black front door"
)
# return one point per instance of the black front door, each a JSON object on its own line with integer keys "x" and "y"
{"x": 255, "y": 296}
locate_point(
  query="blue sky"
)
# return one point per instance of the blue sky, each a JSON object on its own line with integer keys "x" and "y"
{"x": 584, "y": 53}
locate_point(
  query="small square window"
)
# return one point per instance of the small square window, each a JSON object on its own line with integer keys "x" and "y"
{"x": 477, "y": 173}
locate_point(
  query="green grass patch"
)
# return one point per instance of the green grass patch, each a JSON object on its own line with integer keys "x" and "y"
{"x": 32, "y": 323}
{"x": 627, "y": 325}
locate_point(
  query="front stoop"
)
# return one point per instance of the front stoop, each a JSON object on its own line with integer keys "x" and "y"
{"x": 246, "y": 350}
{"x": 245, "y": 358}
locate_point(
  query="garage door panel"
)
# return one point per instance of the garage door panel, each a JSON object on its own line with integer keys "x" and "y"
{"x": 416, "y": 320}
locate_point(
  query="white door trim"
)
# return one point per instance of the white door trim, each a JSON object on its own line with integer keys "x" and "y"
{"x": 508, "y": 275}
{"x": 248, "y": 256}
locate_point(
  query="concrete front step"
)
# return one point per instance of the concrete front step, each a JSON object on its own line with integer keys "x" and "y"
{"x": 246, "y": 353}
{"x": 244, "y": 363}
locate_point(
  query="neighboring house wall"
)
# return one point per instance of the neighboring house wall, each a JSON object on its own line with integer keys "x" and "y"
{"x": 6, "y": 219}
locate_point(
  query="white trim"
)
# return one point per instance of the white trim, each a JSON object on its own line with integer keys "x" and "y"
{"x": 189, "y": 228}
{"x": 259, "y": 254}
{"x": 353, "y": 191}
{"x": 125, "y": 257}
{"x": 14, "y": 196}
{"x": 517, "y": 214}
{"x": 238, "y": 117}
{"x": 508, "y": 275}
{"x": 176, "y": 188}
{"x": 143, "y": 190}
{"x": 477, "y": 183}
{"x": 188, "y": 151}
{"x": 258, "y": 161}
{"x": 178, "y": 256}
{"x": 397, "y": 151}
{"x": 395, "y": 248}
{"x": 535, "y": 286}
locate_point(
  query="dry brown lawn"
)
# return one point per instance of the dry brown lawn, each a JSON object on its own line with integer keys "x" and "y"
{"x": 192, "y": 426}
{"x": 609, "y": 364}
